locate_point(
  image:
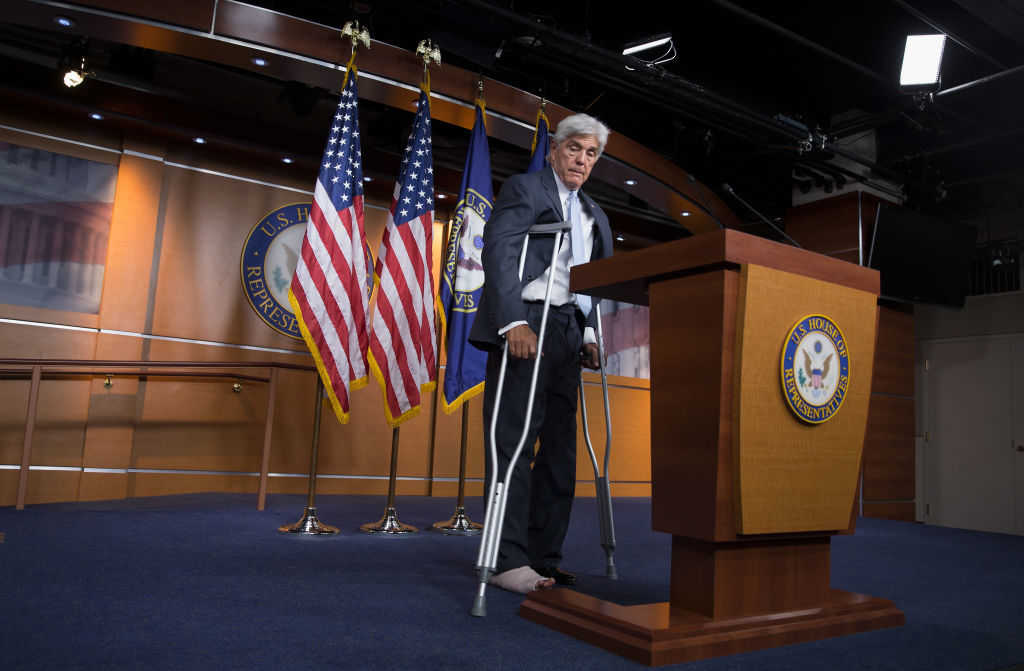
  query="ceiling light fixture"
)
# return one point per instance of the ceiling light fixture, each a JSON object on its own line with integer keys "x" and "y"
{"x": 663, "y": 41}
{"x": 922, "y": 59}
{"x": 199, "y": 140}
{"x": 63, "y": 21}
{"x": 262, "y": 62}
{"x": 286, "y": 159}
{"x": 73, "y": 77}
{"x": 367, "y": 178}
{"x": 96, "y": 116}
{"x": 630, "y": 182}
{"x": 72, "y": 64}
{"x": 442, "y": 196}
{"x": 685, "y": 213}
{"x": 645, "y": 44}
{"x": 619, "y": 238}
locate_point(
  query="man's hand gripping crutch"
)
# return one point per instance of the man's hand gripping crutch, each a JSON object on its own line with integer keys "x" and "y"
{"x": 497, "y": 490}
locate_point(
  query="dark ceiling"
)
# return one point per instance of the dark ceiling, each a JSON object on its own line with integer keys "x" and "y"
{"x": 749, "y": 82}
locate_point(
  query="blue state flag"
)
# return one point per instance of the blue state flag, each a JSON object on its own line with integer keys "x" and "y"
{"x": 462, "y": 277}
{"x": 541, "y": 144}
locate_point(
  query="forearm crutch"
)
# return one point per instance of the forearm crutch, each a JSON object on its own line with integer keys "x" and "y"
{"x": 494, "y": 518}
{"x": 603, "y": 490}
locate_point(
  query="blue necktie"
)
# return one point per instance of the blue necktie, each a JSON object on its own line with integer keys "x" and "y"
{"x": 579, "y": 254}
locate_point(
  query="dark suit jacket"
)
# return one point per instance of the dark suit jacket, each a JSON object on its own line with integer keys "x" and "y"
{"x": 524, "y": 200}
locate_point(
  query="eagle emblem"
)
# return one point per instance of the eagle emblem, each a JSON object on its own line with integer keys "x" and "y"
{"x": 815, "y": 369}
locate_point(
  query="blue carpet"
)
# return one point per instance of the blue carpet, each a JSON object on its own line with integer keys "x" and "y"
{"x": 206, "y": 582}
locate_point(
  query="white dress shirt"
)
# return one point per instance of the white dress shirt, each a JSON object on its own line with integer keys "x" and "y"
{"x": 560, "y": 294}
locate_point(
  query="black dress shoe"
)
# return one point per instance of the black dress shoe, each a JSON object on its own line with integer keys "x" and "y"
{"x": 561, "y": 577}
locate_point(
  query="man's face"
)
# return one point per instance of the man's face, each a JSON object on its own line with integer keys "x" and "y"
{"x": 573, "y": 158}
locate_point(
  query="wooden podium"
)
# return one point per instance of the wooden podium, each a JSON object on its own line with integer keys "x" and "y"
{"x": 750, "y": 493}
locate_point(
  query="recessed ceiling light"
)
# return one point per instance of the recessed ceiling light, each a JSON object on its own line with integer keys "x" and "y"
{"x": 259, "y": 61}
{"x": 63, "y": 21}
{"x": 620, "y": 238}
{"x": 286, "y": 159}
{"x": 199, "y": 140}
{"x": 630, "y": 182}
{"x": 442, "y": 196}
{"x": 367, "y": 178}
{"x": 685, "y": 213}
{"x": 96, "y": 116}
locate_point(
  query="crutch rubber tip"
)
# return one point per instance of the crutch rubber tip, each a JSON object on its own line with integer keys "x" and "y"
{"x": 479, "y": 608}
{"x": 611, "y": 572}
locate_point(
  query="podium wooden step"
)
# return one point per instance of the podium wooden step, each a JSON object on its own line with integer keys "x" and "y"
{"x": 654, "y": 634}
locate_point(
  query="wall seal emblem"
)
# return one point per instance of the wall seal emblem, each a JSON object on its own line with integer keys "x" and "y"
{"x": 269, "y": 257}
{"x": 815, "y": 369}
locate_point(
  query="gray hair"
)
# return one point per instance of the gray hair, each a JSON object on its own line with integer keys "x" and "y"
{"x": 581, "y": 124}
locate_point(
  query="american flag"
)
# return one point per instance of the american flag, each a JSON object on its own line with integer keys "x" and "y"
{"x": 403, "y": 342}
{"x": 329, "y": 290}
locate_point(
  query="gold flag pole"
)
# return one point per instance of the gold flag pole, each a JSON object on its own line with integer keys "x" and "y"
{"x": 309, "y": 524}
{"x": 438, "y": 390}
{"x": 460, "y": 524}
{"x": 389, "y": 523}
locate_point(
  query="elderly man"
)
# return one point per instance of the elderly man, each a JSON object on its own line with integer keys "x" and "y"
{"x": 540, "y": 499}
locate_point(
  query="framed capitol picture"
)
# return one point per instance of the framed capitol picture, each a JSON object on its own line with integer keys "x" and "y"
{"x": 55, "y": 213}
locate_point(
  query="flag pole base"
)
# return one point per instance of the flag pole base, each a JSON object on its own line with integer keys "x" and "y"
{"x": 458, "y": 525}
{"x": 388, "y": 525}
{"x": 309, "y": 525}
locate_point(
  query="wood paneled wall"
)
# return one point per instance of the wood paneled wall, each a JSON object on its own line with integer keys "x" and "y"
{"x": 837, "y": 227}
{"x": 172, "y": 292}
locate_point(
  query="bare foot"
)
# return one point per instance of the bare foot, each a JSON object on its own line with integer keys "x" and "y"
{"x": 522, "y": 580}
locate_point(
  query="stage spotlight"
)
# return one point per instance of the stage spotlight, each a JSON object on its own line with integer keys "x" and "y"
{"x": 922, "y": 59}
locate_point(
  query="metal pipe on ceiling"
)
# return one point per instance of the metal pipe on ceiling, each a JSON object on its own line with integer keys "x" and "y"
{"x": 983, "y": 80}
{"x": 672, "y": 88}
{"x": 668, "y": 83}
{"x": 942, "y": 29}
{"x": 889, "y": 86}
{"x": 800, "y": 39}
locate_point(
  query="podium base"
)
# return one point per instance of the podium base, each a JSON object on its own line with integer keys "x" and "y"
{"x": 654, "y": 634}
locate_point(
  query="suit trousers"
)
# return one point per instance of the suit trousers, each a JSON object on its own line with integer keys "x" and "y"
{"x": 539, "y": 498}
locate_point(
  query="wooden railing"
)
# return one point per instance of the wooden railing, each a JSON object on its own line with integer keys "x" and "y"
{"x": 36, "y": 369}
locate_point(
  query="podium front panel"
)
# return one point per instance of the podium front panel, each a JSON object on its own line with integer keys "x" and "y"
{"x": 796, "y": 462}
